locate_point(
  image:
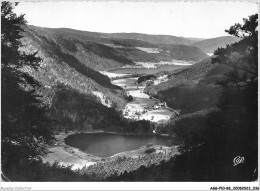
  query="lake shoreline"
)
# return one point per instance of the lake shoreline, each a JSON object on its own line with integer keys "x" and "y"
{"x": 68, "y": 155}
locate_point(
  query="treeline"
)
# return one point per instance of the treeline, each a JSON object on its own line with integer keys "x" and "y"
{"x": 145, "y": 78}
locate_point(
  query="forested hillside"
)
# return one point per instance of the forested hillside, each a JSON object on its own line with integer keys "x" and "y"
{"x": 187, "y": 76}
{"x": 218, "y": 119}
{"x": 75, "y": 111}
{"x": 212, "y": 44}
{"x": 59, "y": 65}
{"x": 100, "y": 51}
{"x": 156, "y": 39}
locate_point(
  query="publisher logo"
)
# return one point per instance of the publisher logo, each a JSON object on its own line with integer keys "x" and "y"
{"x": 237, "y": 160}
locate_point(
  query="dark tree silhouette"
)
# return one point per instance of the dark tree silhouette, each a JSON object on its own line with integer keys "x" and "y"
{"x": 130, "y": 98}
{"x": 242, "y": 55}
{"x": 25, "y": 127}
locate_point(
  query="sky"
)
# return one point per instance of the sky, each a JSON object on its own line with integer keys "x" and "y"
{"x": 187, "y": 19}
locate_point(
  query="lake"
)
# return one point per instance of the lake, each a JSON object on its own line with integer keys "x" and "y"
{"x": 159, "y": 68}
{"x": 108, "y": 144}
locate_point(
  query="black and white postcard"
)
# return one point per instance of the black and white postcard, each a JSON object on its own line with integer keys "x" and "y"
{"x": 126, "y": 95}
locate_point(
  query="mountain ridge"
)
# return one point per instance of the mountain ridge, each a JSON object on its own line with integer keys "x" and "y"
{"x": 74, "y": 57}
{"x": 134, "y": 35}
{"x": 210, "y": 45}
{"x": 114, "y": 52}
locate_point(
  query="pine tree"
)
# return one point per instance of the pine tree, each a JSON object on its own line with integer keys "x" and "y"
{"x": 242, "y": 56}
{"x": 25, "y": 127}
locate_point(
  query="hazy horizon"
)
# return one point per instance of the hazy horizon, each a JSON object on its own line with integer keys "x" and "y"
{"x": 182, "y": 19}
{"x": 129, "y": 32}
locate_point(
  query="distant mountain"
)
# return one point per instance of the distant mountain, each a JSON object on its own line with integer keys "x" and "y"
{"x": 74, "y": 58}
{"x": 184, "y": 52}
{"x": 195, "y": 39}
{"x": 155, "y": 39}
{"x": 101, "y": 51}
{"x": 151, "y": 38}
{"x": 209, "y": 45}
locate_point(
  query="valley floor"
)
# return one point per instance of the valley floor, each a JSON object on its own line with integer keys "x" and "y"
{"x": 142, "y": 106}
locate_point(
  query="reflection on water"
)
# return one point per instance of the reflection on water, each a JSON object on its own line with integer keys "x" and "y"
{"x": 107, "y": 144}
{"x": 126, "y": 83}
